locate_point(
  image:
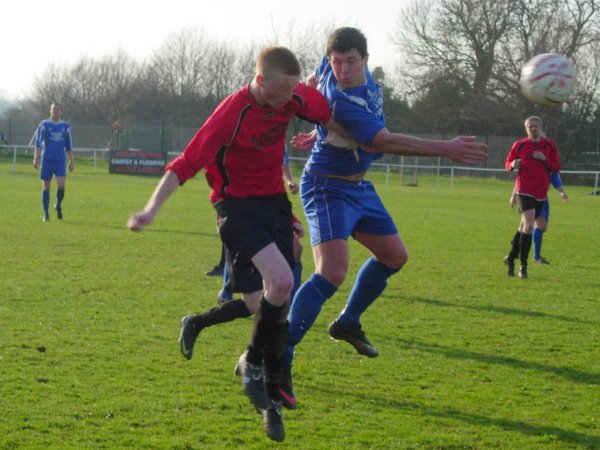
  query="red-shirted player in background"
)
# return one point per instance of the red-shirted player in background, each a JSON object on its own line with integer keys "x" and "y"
{"x": 534, "y": 157}
{"x": 240, "y": 147}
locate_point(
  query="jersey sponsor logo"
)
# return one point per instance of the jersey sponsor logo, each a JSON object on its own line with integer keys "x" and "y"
{"x": 56, "y": 136}
{"x": 270, "y": 136}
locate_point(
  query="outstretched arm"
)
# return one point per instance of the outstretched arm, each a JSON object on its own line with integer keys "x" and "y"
{"x": 463, "y": 149}
{"x": 166, "y": 186}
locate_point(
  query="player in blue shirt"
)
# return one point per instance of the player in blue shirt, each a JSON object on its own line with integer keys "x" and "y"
{"x": 339, "y": 202}
{"x": 53, "y": 140}
{"x": 541, "y": 223}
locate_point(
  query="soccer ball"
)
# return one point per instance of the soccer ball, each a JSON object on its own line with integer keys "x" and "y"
{"x": 548, "y": 79}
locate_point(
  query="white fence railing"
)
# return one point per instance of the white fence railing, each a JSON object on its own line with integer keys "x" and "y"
{"x": 438, "y": 168}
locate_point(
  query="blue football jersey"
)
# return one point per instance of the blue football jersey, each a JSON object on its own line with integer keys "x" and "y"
{"x": 53, "y": 138}
{"x": 360, "y": 111}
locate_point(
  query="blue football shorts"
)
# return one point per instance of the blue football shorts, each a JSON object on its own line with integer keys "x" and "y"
{"x": 52, "y": 167}
{"x": 545, "y": 211}
{"x": 336, "y": 209}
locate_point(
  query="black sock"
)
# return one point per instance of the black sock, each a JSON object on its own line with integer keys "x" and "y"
{"x": 227, "y": 312}
{"x": 275, "y": 350}
{"x": 274, "y": 354}
{"x": 525, "y": 247}
{"x": 265, "y": 324}
{"x": 60, "y": 194}
{"x": 516, "y": 247}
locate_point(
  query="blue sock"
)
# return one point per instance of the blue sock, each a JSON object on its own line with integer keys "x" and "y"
{"x": 225, "y": 293}
{"x": 46, "y": 201}
{"x": 306, "y": 306}
{"x": 297, "y": 272}
{"x": 370, "y": 283}
{"x": 537, "y": 243}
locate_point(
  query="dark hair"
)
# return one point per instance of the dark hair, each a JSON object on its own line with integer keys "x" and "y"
{"x": 276, "y": 58}
{"x": 345, "y": 39}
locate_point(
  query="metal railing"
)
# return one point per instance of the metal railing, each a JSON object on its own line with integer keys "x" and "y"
{"x": 401, "y": 168}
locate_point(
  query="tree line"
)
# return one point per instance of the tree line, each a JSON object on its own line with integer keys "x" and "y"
{"x": 459, "y": 72}
{"x": 463, "y": 59}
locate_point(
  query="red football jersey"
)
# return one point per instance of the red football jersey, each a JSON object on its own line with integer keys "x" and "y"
{"x": 241, "y": 145}
{"x": 533, "y": 178}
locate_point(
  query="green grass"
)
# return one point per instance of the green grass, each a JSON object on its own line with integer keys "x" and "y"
{"x": 470, "y": 359}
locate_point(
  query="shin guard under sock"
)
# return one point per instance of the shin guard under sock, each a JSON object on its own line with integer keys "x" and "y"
{"x": 305, "y": 309}
{"x": 525, "y": 247}
{"x": 370, "y": 283}
{"x": 60, "y": 195}
{"x": 516, "y": 247}
{"x": 537, "y": 243}
{"x": 265, "y": 323}
{"x": 227, "y": 312}
{"x": 46, "y": 201}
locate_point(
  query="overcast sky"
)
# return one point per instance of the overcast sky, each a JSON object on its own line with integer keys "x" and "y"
{"x": 36, "y": 33}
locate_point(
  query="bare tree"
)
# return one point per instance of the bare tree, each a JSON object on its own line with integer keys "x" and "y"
{"x": 222, "y": 77}
{"x": 485, "y": 44}
{"x": 178, "y": 64}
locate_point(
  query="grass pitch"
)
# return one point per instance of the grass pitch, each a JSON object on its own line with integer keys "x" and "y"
{"x": 470, "y": 359}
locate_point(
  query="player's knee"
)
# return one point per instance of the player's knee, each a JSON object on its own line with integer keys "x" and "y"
{"x": 397, "y": 260}
{"x": 401, "y": 262}
{"x": 335, "y": 275}
{"x": 280, "y": 288}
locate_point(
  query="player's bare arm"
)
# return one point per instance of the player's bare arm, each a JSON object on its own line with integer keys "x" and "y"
{"x": 36, "y": 158}
{"x": 564, "y": 196}
{"x": 512, "y": 202}
{"x": 70, "y": 166}
{"x": 463, "y": 149}
{"x": 166, "y": 186}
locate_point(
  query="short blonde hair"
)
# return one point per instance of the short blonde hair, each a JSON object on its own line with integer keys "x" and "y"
{"x": 277, "y": 59}
{"x": 538, "y": 119}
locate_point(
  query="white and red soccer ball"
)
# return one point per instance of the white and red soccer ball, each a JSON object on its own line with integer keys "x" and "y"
{"x": 548, "y": 79}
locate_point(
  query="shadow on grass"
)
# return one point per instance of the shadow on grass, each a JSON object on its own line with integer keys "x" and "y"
{"x": 148, "y": 229}
{"x": 575, "y": 375}
{"x": 503, "y": 310}
{"x": 566, "y": 436}
{"x": 570, "y": 438}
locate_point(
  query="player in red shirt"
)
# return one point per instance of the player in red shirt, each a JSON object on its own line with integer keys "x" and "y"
{"x": 534, "y": 157}
{"x": 241, "y": 146}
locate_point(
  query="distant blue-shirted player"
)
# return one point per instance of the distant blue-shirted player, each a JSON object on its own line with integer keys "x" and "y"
{"x": 339, "y": 202}
{"x": 541, "y": 223}
{"x": 53, "y": 140}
